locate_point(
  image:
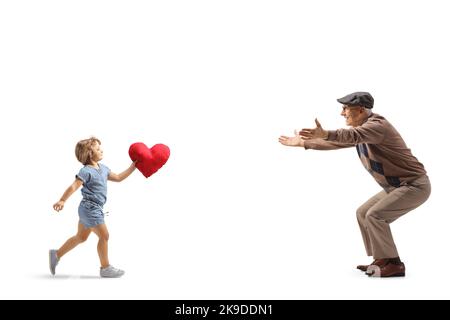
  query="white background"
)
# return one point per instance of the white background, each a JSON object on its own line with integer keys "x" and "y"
{"x": 233, "y": 214}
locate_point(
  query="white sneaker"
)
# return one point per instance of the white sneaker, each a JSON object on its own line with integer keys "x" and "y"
{"x": 53, "y": 261}
{"x": 111, "y": 272}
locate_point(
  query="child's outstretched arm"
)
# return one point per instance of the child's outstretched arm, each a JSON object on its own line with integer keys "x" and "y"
{"x": 122, "y": 176}
{"x": 70, "y": 190}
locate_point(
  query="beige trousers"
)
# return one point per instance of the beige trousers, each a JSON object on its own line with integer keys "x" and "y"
{"x": 378, "y": 212}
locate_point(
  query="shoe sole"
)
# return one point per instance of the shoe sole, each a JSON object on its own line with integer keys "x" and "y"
{"x": 401, "y": 274}
{"x": 111, "y": 277}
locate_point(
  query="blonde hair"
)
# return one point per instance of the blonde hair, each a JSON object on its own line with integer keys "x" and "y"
{"x": 84, "y": 151}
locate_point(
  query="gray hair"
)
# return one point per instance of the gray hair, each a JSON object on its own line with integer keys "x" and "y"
{"x": 368, "y": 112}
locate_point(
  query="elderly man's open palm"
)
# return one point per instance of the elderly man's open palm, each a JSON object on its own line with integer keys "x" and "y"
{"x": 316, "y": 133}
{"x": 295, "y": 141}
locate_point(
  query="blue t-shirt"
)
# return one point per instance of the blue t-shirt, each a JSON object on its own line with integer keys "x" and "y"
{"x": 94, "y": 183}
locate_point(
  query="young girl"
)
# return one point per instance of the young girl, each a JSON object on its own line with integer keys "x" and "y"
{"x": 92, "y": 177}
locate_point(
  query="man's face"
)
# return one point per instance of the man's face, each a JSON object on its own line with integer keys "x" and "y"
{"x": 352, "y": 114}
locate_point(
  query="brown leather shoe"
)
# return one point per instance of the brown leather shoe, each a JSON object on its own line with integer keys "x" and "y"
{"x": 388, "y": 270}
{"x": 377, "y": 262}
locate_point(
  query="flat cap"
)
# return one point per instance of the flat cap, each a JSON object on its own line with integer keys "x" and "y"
{"x": 364, "y": 99}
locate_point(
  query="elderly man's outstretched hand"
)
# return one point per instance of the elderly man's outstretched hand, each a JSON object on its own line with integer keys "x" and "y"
{"x": 316, "y": 133}
{"x": 295, "y": 141}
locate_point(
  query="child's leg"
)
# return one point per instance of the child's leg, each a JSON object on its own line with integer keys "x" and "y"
{"x": 81, "y": 236}
{"x": 103, "y": 236}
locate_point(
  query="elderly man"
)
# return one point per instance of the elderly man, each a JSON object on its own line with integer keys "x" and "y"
{"x": 387, "y": 158}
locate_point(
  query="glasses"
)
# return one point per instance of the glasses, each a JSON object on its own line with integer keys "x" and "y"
{"x": 345, "y": 107}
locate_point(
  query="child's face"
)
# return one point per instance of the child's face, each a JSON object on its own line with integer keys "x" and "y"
{"x": 98, "y": 152}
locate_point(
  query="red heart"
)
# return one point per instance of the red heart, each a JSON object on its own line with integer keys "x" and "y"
{"x": 148, "y": 161}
